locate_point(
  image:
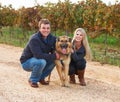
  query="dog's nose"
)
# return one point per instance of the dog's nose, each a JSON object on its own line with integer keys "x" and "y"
{"x": 64, "y": 45}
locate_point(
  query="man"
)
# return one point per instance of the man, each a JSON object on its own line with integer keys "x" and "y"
{"x": 38, "y": 56}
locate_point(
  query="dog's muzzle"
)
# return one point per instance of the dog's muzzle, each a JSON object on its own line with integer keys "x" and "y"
{"x": 64, "y": 48}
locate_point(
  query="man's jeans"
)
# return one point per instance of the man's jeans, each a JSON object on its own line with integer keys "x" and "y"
{"x": 40, "y": 68}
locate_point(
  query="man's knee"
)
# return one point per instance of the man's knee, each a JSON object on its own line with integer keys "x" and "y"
{"x": 40, "y": 62}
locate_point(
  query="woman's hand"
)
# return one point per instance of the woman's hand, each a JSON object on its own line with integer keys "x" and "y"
{"x": 72, "y": 50}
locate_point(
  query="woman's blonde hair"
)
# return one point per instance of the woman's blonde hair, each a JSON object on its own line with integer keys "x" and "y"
{"x": 85, "y": 43}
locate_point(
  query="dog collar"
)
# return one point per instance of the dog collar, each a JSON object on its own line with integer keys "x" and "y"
{"x": 61, "y": 61}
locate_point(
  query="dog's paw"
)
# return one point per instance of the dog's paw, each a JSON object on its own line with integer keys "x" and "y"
{"x": 67, "y": 86}
{"x": 64, "y": 85}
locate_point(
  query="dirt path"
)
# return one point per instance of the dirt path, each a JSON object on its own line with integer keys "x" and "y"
{"x": 103, "y": 83}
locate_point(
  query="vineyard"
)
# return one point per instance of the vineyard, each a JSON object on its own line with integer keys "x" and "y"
{"x": 101, "y": 22}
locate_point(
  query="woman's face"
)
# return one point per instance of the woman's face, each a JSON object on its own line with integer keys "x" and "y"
{"x": 78, "y": 36}
{"x": 45, "y": 29}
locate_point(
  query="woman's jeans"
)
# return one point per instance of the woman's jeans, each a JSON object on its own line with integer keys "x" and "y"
{"x": 39, "y": 68}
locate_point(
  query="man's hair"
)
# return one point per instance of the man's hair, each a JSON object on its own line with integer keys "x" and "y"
{"x": 43, "y": 21}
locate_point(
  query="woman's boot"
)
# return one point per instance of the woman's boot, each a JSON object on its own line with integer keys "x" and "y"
{"x": 72, "y": 79}
{"x": 81, "y": 77}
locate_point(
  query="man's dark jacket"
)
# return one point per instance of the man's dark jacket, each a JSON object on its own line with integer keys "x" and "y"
{"x": 39, "y": 48}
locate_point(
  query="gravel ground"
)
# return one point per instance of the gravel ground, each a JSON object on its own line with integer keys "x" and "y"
{"x": 103, "y": 82}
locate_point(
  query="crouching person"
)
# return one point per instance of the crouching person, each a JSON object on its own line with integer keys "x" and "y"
{"x": 38, "y": 57}
{"x": 81, "y": 52}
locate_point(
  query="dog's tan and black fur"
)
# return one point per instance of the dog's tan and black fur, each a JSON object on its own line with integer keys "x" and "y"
{"x": 63, "y": 48}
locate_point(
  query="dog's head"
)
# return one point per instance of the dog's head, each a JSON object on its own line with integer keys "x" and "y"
{"x": 63, "y": 45}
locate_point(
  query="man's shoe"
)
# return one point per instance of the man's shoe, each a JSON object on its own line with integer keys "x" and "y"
{"x": 35, "y": 85}
{"x": 43, "y": 82}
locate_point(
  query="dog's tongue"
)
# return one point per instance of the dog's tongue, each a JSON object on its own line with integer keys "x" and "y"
{"x": 64, "y": 51}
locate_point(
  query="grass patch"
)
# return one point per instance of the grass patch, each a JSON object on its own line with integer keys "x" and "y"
{"x": 109, "y": 53}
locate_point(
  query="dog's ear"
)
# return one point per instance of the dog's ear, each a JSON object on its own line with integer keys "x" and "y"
{"x": 57, "y": 39}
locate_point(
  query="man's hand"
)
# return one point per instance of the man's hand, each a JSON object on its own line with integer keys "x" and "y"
{"x": 57, "y": 56}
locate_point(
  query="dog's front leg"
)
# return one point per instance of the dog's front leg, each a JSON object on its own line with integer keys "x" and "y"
{"x": 66, "y": 76}
{"x": 59, "y": 69}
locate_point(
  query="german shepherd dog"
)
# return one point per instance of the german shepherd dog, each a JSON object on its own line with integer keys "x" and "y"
{"x": 63, "y": 48}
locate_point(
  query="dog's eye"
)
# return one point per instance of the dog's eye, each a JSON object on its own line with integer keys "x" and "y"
{"x": 61, "y": 40}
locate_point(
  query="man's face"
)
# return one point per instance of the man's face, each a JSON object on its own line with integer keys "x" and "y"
{"x": 45, "y": 29}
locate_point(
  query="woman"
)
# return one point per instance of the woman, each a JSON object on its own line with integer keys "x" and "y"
{"x": 81, "y": 52}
